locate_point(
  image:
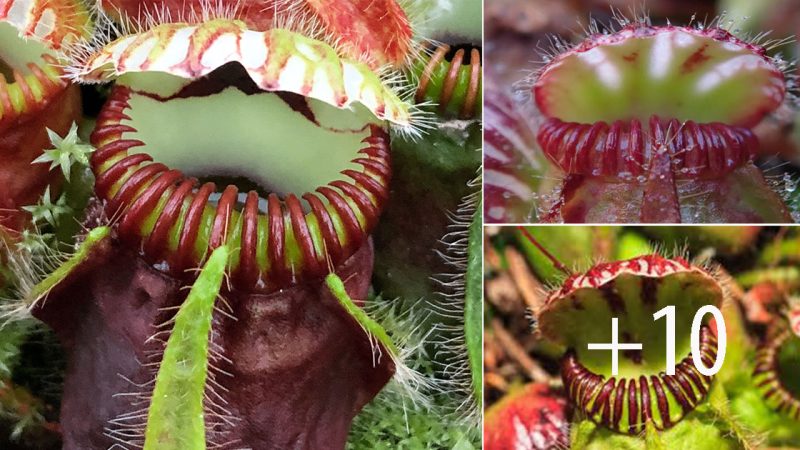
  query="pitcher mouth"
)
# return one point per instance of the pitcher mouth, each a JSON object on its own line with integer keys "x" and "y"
{"x": 636, "y": 390}
{"x": 615, "y": 101}
{"x": 626, "y": 404}
{"x": 296, "y": 132}
{"x": 30, "y": 78}
{"x": 316, "y": 179}
{"x": 781, "y": 393}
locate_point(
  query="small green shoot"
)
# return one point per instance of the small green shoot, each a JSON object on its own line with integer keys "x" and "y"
{"x": 66, "y": 151}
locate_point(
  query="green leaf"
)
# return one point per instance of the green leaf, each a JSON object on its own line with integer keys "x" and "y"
{"x": 92, "y": 241}
{"x": 373, "y": 328}
{"x": 176, "y": 419}
{"x": 473, "y": 307}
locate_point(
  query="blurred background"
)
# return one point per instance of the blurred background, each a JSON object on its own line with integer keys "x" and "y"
{"x": 522, "y": 381}
{"x": 517, "y": 36}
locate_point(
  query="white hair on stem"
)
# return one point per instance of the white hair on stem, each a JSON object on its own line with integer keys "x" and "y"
{"x": 128, "y": 429}
{"x": 449, "y": 306}
{"x": 406, "y": 328}
{"x": 28, "y": 267}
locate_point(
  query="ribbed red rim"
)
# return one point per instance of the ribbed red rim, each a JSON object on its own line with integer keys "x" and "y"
{"x": 342, "y": 215}
{"x": 627, "y": 149}
{"x": 438, "y": 70}
{"x": 46, "y": 81}
{"x": 604, "y": 399}
{"x": 767, "y": 377}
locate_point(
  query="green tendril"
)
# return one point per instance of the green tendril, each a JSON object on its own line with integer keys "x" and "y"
{"x": 176, "y": 420}
{"x": 373, "y": 328}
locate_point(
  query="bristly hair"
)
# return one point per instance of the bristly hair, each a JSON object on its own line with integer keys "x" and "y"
{"x": 407, "y": 329}
{"x": 288, "y": 14}
{"x": 785, "y": 184}
{"x": 449, "y": 307}
{"x": 638, "y": 16}
{"x": 416, "y": 13}
{"x": 28, "y": 266}
{"x": 127, "y": 430}
{"x": 408, "y": 403}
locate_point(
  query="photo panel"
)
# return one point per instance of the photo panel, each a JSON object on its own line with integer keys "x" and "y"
{"x": 240, "y": 224}
{"x": 641, "y": 112}
{"x": 642, "y": 337}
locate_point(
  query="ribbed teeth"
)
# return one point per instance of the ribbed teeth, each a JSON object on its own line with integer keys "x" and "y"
{"x": 29, "y": 93}
{"x": 767, "y": 377}
{"x": 627, "y": 404}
